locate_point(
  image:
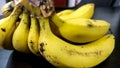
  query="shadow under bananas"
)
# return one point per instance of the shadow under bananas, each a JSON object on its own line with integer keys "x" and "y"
{"x": 22, "y": 60}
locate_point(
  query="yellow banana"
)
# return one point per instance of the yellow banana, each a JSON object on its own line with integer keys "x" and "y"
{"x": 79, "y": 30}
{"x": 33, "y": 36}
{"x": 65, "y": 55}
{"x": 7, "y": 8}
{"x": 84, "y": 11}
{"x": 20, "y": 36}
{"x": 8, "y": 39}
{"x": 64, "y": 12}
{"x": 7, "y": 27}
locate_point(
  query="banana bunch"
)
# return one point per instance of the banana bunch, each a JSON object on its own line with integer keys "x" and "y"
{"x": 66, "y": 39}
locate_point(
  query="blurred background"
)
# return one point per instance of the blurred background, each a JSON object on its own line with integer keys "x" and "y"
{"x": 2, "y": 2}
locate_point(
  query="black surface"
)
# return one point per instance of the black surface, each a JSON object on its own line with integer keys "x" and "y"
{"x": 108, "y": 10}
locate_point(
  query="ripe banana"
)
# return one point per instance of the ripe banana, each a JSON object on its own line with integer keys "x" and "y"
{"x": 64, "y": 12}
{"x": 20, "y": 36}
{"x": 8, "y": 39}
{"x": 84, "y": 11}
{"x": 7, "y": 8}
{"x": 63, "y": 54}
{"x": 33, "y": 36}
{"x": 7, "y": 27}
{"x": 79, "y": 30}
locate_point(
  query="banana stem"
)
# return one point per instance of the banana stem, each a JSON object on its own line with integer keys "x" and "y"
{"x": 16, "y": 12}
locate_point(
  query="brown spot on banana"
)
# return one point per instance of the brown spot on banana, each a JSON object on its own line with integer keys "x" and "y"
{"x": 41, "y": 47}
{"x": 90, "y": 25}
{"x": 31, "y": 44}
{"x": 3, "y": 29}
{"x": 38, "y": 53}
{"x": 108, "y": 37}
{"x": 94, "y": 53}
{"x": 32, "y": 47}
{"x": 52, "y": 58}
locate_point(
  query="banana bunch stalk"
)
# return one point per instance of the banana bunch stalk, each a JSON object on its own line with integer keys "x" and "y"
{"x": 66, "y": 39}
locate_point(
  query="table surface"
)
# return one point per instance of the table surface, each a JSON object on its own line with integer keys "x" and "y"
{"x": 14, "y": 59}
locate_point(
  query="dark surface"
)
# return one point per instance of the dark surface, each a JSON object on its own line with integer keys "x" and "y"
{"x": 108, "y": 10}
